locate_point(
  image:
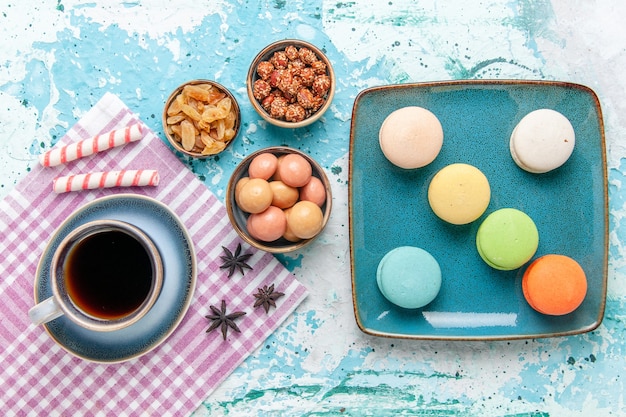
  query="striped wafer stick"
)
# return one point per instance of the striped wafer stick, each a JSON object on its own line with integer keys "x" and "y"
{"x": 90, "y": 146}
{"x": 90, "y": 181}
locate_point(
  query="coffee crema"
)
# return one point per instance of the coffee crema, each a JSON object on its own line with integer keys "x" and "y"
{"x": 108, "y": 274}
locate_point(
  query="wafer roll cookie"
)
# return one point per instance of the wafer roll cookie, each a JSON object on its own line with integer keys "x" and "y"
{"x": 87, "y": 147}
{"x": 90, "y": 181}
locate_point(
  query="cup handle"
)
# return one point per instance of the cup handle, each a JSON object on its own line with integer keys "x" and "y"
{"x": 45, "y": 311}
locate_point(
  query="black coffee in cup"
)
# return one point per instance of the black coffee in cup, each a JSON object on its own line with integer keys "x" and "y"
{"x": 108, "y": 274}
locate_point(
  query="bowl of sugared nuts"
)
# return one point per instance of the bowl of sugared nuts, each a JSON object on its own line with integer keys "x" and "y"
{"x": 278, "y": 199}
{"x": 201, "y": 118}
{"x": 291, "y": 83}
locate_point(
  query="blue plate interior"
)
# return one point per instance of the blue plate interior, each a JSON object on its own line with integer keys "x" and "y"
{"x": 178, "y": 256}
{"x": 389, "y": 208}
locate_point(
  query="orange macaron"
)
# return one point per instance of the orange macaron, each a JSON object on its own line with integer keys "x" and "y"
{"x": 554, "y": 285}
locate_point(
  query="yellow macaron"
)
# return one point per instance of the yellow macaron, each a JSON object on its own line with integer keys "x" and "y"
{"x": 459, "y": 193}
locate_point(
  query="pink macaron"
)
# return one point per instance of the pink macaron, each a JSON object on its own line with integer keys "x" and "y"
{"x": 411, "y": 137}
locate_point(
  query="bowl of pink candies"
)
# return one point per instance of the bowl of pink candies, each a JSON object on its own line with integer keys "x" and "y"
{"x": 278, "y": 199}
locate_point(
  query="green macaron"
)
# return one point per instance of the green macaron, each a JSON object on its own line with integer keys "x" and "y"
{"x": 507, "y": 239}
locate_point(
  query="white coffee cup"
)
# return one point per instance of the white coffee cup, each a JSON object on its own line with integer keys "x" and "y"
{"x": 105, "y": 275}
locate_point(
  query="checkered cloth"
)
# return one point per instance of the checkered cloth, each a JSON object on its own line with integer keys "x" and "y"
{"x": 38, "y": 377}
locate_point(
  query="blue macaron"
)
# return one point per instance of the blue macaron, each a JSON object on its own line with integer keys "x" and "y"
{"x": 409, "y": 277}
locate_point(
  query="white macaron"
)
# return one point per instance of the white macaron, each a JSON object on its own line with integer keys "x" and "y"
{"x": 542, "y": 141}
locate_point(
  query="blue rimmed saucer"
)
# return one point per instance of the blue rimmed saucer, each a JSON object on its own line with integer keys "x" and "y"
{"x": 172, "y": 239}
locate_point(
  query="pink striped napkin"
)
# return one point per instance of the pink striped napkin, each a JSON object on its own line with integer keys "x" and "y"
{"x": 37, "y": 377}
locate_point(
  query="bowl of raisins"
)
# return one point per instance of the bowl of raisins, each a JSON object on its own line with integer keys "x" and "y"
{"x": 291, "y": 83}
{"x": 201, "y": 118}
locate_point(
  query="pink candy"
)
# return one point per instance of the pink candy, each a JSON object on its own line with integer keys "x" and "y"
{"x": 90, "y": 146}
{"x": 124, "y": 178}
{"x": 94, "y": 180}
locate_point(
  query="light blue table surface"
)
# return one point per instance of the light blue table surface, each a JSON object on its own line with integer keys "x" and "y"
{"x": 57, "y": 58}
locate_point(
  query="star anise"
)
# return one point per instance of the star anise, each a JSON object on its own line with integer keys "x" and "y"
{"x": 234, "y": 261}
{"x": 223, "y": 320}
{"x": 267, "y": 297}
